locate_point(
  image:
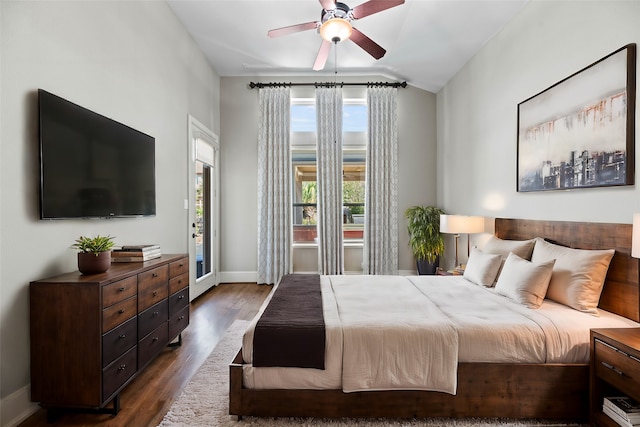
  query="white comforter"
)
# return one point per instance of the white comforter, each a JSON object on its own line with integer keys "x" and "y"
{"x": 388, "y": 325}
{"x": 392, "y": 332}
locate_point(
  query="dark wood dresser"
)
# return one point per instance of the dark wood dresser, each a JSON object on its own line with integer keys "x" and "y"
{"x": 91, "y": 334}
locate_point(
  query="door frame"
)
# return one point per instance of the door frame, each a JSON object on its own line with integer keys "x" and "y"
{"x": 196, "y": 288}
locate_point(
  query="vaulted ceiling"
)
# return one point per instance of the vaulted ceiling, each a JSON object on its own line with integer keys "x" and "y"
{"x": 427, "y": 41}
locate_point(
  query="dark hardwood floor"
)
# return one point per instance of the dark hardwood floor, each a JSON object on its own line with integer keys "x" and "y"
{"x": 145, "y": 400}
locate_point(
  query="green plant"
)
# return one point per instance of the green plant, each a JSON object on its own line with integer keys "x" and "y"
{"x": 425, "y": 238}
{"x": 93, "y": 245}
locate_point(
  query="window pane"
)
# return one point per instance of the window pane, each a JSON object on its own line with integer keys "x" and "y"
{"x": 353, "y": 186}
{"x": 354, "y": 118}
{"x": 303, "y": 117}
{"x": 303, "y": 128}
{"x": 305, "y": 216}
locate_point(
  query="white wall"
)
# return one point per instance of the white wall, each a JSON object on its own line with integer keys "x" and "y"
{"x": 477, "y": 111}
{"x": 239, "y": 135}
{"x": 131, "y": 61}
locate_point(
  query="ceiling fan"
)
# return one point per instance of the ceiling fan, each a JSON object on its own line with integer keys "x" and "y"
{"x": 335, "y": 26}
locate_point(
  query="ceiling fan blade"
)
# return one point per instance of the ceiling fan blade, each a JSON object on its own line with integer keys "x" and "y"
{"x": 374, "y": 6}
{"x": 293, "y": 29}
{"x": 323, "y": 54}
{"x": 372, "y": 48}
{"x": 328, "y": 4}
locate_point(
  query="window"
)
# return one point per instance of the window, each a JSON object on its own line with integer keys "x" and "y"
{"x": 304, "y": 168}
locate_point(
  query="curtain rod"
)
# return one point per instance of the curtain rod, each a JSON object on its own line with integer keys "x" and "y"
{"x": 253, "y": 85}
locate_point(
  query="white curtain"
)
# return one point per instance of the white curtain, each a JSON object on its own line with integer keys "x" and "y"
{"x": 274, "y": 185}
{"x": 329, "y": 160}
{"x": 381, "y": 193}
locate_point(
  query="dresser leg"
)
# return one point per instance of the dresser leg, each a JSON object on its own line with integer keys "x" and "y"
{"x": 116, "y": 405}
{"x": 54, "y": 414}
{"x": 177, "y": 343}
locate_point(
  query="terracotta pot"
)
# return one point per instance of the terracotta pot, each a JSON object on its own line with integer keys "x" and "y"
{"x": 89, "y": 263}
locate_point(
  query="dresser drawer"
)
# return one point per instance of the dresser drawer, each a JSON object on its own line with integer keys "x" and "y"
{"x": 178, "y": 301}
{"x": 117, "y": 373}
{"x": 153, "y": 286}
{"x": 178, "y": 322}
{"x": 119, "y": 340}
{"x": 152, "y": 317}
{"x": 118, "y": 313}
{"x": 179, "y": 267}
{"x": 119, "y": 291}
{"x": 153, "y": 344}
{"x": 617, "y": 368}
{"x": 179, "y": 282}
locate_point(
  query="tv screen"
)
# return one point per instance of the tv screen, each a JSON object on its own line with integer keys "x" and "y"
{"x": 92, "y": 166}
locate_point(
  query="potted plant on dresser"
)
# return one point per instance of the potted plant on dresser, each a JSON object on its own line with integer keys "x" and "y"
{"x": 94, "y": 253}
{"x": 425, "y": 239}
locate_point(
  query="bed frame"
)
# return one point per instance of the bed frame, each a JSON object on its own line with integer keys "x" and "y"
{"x": 550, "y": 391}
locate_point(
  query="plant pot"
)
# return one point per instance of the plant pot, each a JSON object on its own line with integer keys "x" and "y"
{"x": 90, "y": 263}
{"x": 427, "y": 268}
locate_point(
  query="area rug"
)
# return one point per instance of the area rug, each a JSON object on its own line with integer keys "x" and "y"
{"x": 205, "y": 401}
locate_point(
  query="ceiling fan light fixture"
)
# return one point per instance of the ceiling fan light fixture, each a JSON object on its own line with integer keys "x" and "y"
{"x": 336, "y": 30}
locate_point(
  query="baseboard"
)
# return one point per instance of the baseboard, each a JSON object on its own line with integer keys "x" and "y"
{"x": 17, "y": 407}
{"x": 238, "y": 276}
{"x": 252, "y": 276}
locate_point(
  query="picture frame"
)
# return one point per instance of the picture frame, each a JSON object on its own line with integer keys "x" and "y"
{"x": 580, "y": 132}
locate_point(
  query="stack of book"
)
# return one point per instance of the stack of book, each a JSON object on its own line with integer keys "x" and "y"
{"x": 135, "y": 253}
{"x": 623, "y": 410}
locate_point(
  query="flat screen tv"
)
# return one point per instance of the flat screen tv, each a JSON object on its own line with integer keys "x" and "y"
{"x": 92, "y": 166}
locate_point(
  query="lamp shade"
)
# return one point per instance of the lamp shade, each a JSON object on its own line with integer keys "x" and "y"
{"x": 457, "y": 224}
{"x": 635, "y": 236}
{"x": 336, "y": 30}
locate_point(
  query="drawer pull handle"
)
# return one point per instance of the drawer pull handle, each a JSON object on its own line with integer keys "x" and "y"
{"x": 155, "y": 313}
{"x": 121, "y": 311}
{"x": 613, "y": 368}
{"x": 181, "y": 264}
{"x": 154, "y": 274}
{"x": 155, "y": 339}
{"x": 181, "y": 297}
{"x": 122, "y": 367}
{"x": 181, "y": 318}
{"x": 122, "y": 336}
{"x": 155, "y": 293}
{"x": 122, "y": 289}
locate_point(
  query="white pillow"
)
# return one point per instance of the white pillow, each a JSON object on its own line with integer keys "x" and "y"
{"x": 522, "y": 248}
{"x": 482, "y": 269}
{"x": 524, "y": 281}
{"x": 578, "y": 274}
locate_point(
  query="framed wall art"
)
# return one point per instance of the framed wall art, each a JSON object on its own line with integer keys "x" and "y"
{"x": 580, "y": 132}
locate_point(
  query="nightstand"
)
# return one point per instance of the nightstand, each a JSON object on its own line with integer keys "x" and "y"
{"x": 443, "y": 272}
{"x": 615, "y": 369}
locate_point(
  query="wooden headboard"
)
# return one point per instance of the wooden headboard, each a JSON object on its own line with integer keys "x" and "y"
{"x": 621, "y": 292}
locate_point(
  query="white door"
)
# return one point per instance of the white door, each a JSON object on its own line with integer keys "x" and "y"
{"x": 203, "y": 208}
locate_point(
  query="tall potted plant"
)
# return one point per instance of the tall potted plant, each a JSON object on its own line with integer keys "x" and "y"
{"x": 94, "y": 253}
{"x": 425, "y": 239}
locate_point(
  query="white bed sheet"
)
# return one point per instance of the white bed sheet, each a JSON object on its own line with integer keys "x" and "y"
{"x": 490, "y": 328}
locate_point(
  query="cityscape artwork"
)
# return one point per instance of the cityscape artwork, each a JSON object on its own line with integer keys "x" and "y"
{"x": 579, "y": 133}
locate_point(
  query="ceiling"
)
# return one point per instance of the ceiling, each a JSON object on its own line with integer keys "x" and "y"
{"x": 427, "y": 41}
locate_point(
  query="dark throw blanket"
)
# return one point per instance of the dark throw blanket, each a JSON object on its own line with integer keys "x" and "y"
{"x": 291, "y": 331}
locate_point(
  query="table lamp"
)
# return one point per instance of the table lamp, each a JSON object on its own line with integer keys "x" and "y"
{"x": 457, "y": 224}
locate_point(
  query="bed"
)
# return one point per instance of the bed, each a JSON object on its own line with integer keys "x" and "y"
{"x": 543, "y": 387}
